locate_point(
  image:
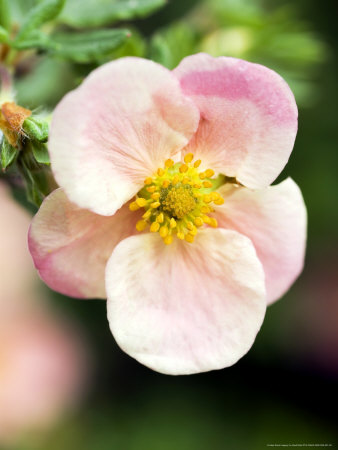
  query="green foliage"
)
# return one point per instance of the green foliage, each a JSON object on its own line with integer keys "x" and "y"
{"x": 88, "y": 46}
{"x": 40, "y": 152}
{"x": 170, "y": 45}
{"x": 36, "y": 129}
{"x": 96, "y": 13}
{"x": 5, "y": 17}
{"x": 81, "y": 47}
{"x": 46, "y": 84}
{"x": 8, "y": 154}
{"x": 40, "y": 14}
{"x": 3, "y": 34}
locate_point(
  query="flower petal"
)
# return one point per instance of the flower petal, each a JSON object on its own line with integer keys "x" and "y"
{"x": 185, "y": 308}
{"x": 248, "y": 117}
{"x": 70, "y": 246}
{"x": 275, "y": 220}
{"x": 116, "y": 129}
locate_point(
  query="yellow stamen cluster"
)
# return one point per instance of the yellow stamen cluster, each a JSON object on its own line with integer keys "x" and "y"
{"x": 177, "y": 200}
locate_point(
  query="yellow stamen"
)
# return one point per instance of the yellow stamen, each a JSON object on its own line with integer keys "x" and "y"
{"x": 176, "y": 202}
{"x": 154, "y": 227}
{"x": 198, "y": 221}
{"x": 172, "y": 223}
{"x": 188, "y": 158}
{"x": 168, "y": 239}
{"x": 207, "y": 184}
{"x": 209, "y": 173}
{"x": 141, "y": 202}
{"x": 169, "y": 163}
{"x": 160, "y": 218}
{"x": 189, "y": 238}
{"x": 133, "y": 206}
{"x": 164, "y": 231}
{"x": 141, "y": 225}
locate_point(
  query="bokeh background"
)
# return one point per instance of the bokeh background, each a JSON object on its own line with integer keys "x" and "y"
{"x": 284, "y": 391}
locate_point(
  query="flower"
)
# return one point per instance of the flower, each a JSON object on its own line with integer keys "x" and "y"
{"x": 147, "y": 157}
{"x": 43, "y": 362}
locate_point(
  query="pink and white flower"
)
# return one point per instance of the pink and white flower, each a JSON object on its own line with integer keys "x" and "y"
{"x": 198, "y": 148}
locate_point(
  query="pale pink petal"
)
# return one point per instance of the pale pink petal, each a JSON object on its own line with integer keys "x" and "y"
{"x": 274, "y": 219}
{"x": 248, "y": 117}
{"x": 70, "y": 246}
{"x": 185, "y": 308}
{"x": 116, "y": 129}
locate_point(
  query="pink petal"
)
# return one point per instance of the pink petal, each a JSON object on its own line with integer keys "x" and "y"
{"x": 116, "y": 129}
{"x": 185, "y": 308}
{"x": 248, "y": 117}
{"x": 275, "y": 220}
{"x": 70, "y": 246}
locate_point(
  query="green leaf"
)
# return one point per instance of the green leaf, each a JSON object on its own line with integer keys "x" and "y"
{"x": 36, "y": 39}
{"x": 87, "y": 46}
{"x": 40, "y": 152}
{"x": 5, "y": 16}
{"x": 36, "y": 128}
{"x": 8, "y": 154}
{"x": 3, "y": 34}
{"x": 40, "y": 14}
{"x": 95, "y": 13}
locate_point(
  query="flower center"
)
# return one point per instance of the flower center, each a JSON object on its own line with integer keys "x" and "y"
{"x": 178, "y": 200}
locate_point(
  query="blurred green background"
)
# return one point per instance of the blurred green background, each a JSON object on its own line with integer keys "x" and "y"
{"x": 285, "y": 390}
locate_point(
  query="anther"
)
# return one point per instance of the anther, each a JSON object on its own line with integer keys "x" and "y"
{"x": 209, "y": 173}
{"x": 197, "y": 163}
{"x": 141, "y": 225}
{"x": 155, "y": 205}
{"x": 148, "y": 180}
{"x": 188, "y": 158}
{"x": 154, "y": 227}
{"x": 160, "y": 218}
{"x": 172, "y": 223}
{"x": 169, "y": 163}
{"x": 133, "y": 206}
{"x": 168, "y": 239}
{"x": 141, "y": 202}
{"x": 189, "y": 238}
{"x": 198, "y": 221}
{"x": 183, "y": 168}
{"x": 164, "y": 231}
{"x": 160, "y": 172}
{"x": 207, "y": 184}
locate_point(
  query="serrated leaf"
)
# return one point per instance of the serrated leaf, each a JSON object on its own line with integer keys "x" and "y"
{"x": 40, "y": 152}
{"x": 87, "y": 46}
{"x": 40, "y": 14}
{"x": 95, "y": 13}
{"x": 8, "y": 154}
{"x": 36, "y": 128}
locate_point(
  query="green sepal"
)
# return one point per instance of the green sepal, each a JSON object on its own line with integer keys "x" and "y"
{"x": 97, "y": 13}
{"x": 40, "y": 14}
{"x": 37, "y": 176}
{"x": 36, "y": 128}
{"x": 40, "y": 152}
{"x": 8, "y": 154}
